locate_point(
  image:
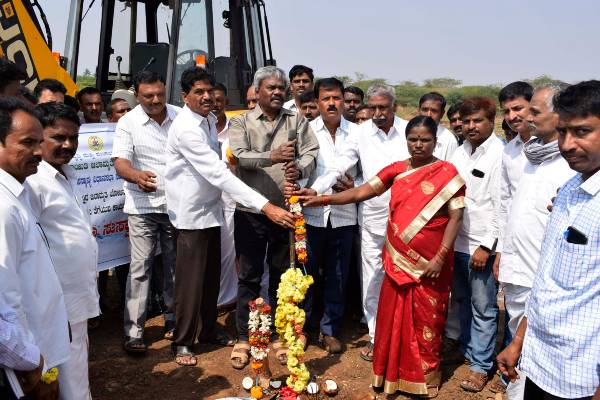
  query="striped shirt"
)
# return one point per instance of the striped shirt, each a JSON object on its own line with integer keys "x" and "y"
{"x": 561, "y": 351}
{"x": 17, "y": 350}
{"x": 143, "y": 142}
{"x": 329, "y": 151}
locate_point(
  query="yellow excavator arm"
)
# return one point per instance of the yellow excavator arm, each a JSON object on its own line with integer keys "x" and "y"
{"x": 22, "y": 43}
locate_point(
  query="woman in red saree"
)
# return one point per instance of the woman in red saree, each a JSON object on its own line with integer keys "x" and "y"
{"x": 424, "y": 218}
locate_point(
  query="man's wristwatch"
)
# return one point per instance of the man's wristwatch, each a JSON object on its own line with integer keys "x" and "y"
{"x": 485, "y": 248}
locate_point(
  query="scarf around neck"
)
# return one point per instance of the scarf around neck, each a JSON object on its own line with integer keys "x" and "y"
{"x": 537, "y": 152}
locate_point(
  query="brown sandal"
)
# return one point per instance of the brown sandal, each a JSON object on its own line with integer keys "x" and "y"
{"x": 240, "y": 355}
{"x": 475, "y": 382}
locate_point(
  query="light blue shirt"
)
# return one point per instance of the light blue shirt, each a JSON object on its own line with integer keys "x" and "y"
{"x": 561, "y": 352}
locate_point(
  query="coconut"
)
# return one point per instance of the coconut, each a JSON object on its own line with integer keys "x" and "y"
{"x": 312, "y": 388}
{"x": 247, "y": 383}
{"x": 331, "y": 388}
{"x": 275, "y": 384}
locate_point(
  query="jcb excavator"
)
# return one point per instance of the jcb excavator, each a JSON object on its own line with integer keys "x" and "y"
{"x": 165, "y": 36}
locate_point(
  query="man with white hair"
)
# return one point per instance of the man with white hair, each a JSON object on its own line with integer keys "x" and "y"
{"x": 375, "y": 144}
{"x": 272, "y": 145}
{"x": 544, "y": 173}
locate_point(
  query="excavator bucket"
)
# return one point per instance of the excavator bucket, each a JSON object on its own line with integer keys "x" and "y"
{"x": 22, "y": 43}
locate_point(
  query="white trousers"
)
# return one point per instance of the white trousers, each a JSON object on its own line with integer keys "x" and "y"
{"x": 371, "y": 245}
{"x": 229, "y": 276}
{"x": 73, "y": 377}
{"x": 515, "y": 298}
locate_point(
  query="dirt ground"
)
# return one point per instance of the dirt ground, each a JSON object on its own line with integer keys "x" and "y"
{"x": 117, "y": 375}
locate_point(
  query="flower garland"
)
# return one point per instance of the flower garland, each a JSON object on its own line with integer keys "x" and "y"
{"x": 289, "y": 318}
{"x": 259, "y": 329}
{"x": 300, "y": 230}
{"x": 259, "y": 336}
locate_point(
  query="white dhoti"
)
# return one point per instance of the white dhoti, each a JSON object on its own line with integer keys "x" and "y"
{"x": 372, "y": 274}
{"x": 229, "y": 275}
{"x": 515, "y": 298}
{"x": 73, "y": 379}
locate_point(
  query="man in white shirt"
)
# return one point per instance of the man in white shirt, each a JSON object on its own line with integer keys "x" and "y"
{"x": 544, "y": 173}
{"x": 195, "y": 178}
{"x": 330, "y": 229}
{"x": 514, "y": 99}
{"x": 139, "y": 150}
{"x": 301, "y": 80}
{"x": 474, "y": 288}
{"x": 375, "y": 144}
{"x": 73, "y": 248}
{"x": 433, "y": 105}
{"x": 28, "y": 281}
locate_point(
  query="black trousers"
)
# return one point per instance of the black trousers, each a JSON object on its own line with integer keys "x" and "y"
{"x": 256, "y": 237}
{"x": 534, "y": 392}
{"x": 197, "y": 284}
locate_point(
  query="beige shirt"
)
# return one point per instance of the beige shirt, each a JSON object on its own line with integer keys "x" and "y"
{"x": 252, "y": 137}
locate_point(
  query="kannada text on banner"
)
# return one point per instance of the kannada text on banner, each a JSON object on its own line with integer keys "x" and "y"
{"x": 100, "y": 190}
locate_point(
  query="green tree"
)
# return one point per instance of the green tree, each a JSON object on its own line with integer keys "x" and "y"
{"x": 461, "y": 93}
{"x": 365, "y": 84}
{"x": 408, "y": 84}
{"x": 543, "y": 80}
{"x": 445, "y": 82}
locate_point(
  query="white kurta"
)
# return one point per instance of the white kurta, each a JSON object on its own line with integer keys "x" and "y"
{"x": 74, "y": 252}
{"x": 28, "y": 282}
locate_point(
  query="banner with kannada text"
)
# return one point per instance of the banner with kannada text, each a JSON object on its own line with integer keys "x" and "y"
{"x": 100, "y": 190}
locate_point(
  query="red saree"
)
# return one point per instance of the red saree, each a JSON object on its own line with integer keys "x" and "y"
{"x": 412, "y": 312}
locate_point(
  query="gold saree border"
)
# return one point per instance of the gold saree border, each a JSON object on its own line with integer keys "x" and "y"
{"x": 377, "y": 185}
{"x": 456, "y": 203}
{"x": 431, "y": 208}
{"x": 403, "y": 263}
{"x": 434, "y": 378}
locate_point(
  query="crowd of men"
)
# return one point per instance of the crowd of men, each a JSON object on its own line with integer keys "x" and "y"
{"x": 209, "y": 191}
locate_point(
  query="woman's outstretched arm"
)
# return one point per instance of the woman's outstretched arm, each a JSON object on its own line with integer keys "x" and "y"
{"x": 309, "y": 198}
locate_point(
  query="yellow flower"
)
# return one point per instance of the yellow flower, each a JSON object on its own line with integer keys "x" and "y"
{"x": 294, "y": 199}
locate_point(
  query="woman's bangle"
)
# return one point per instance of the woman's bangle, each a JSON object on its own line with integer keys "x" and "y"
{"x": 50, "y": 376}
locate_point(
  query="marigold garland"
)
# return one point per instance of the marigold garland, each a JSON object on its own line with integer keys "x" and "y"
{"x": 289, "y": 318}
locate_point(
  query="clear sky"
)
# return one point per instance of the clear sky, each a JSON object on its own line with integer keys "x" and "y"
{"x": 478, "y": 42}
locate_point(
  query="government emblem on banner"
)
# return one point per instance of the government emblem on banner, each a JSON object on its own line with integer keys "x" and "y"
{"x": 95, "y": 143}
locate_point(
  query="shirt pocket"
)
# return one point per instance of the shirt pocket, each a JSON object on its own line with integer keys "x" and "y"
{"x": 477, "y": 184}
{"x": 574, "y": 268}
